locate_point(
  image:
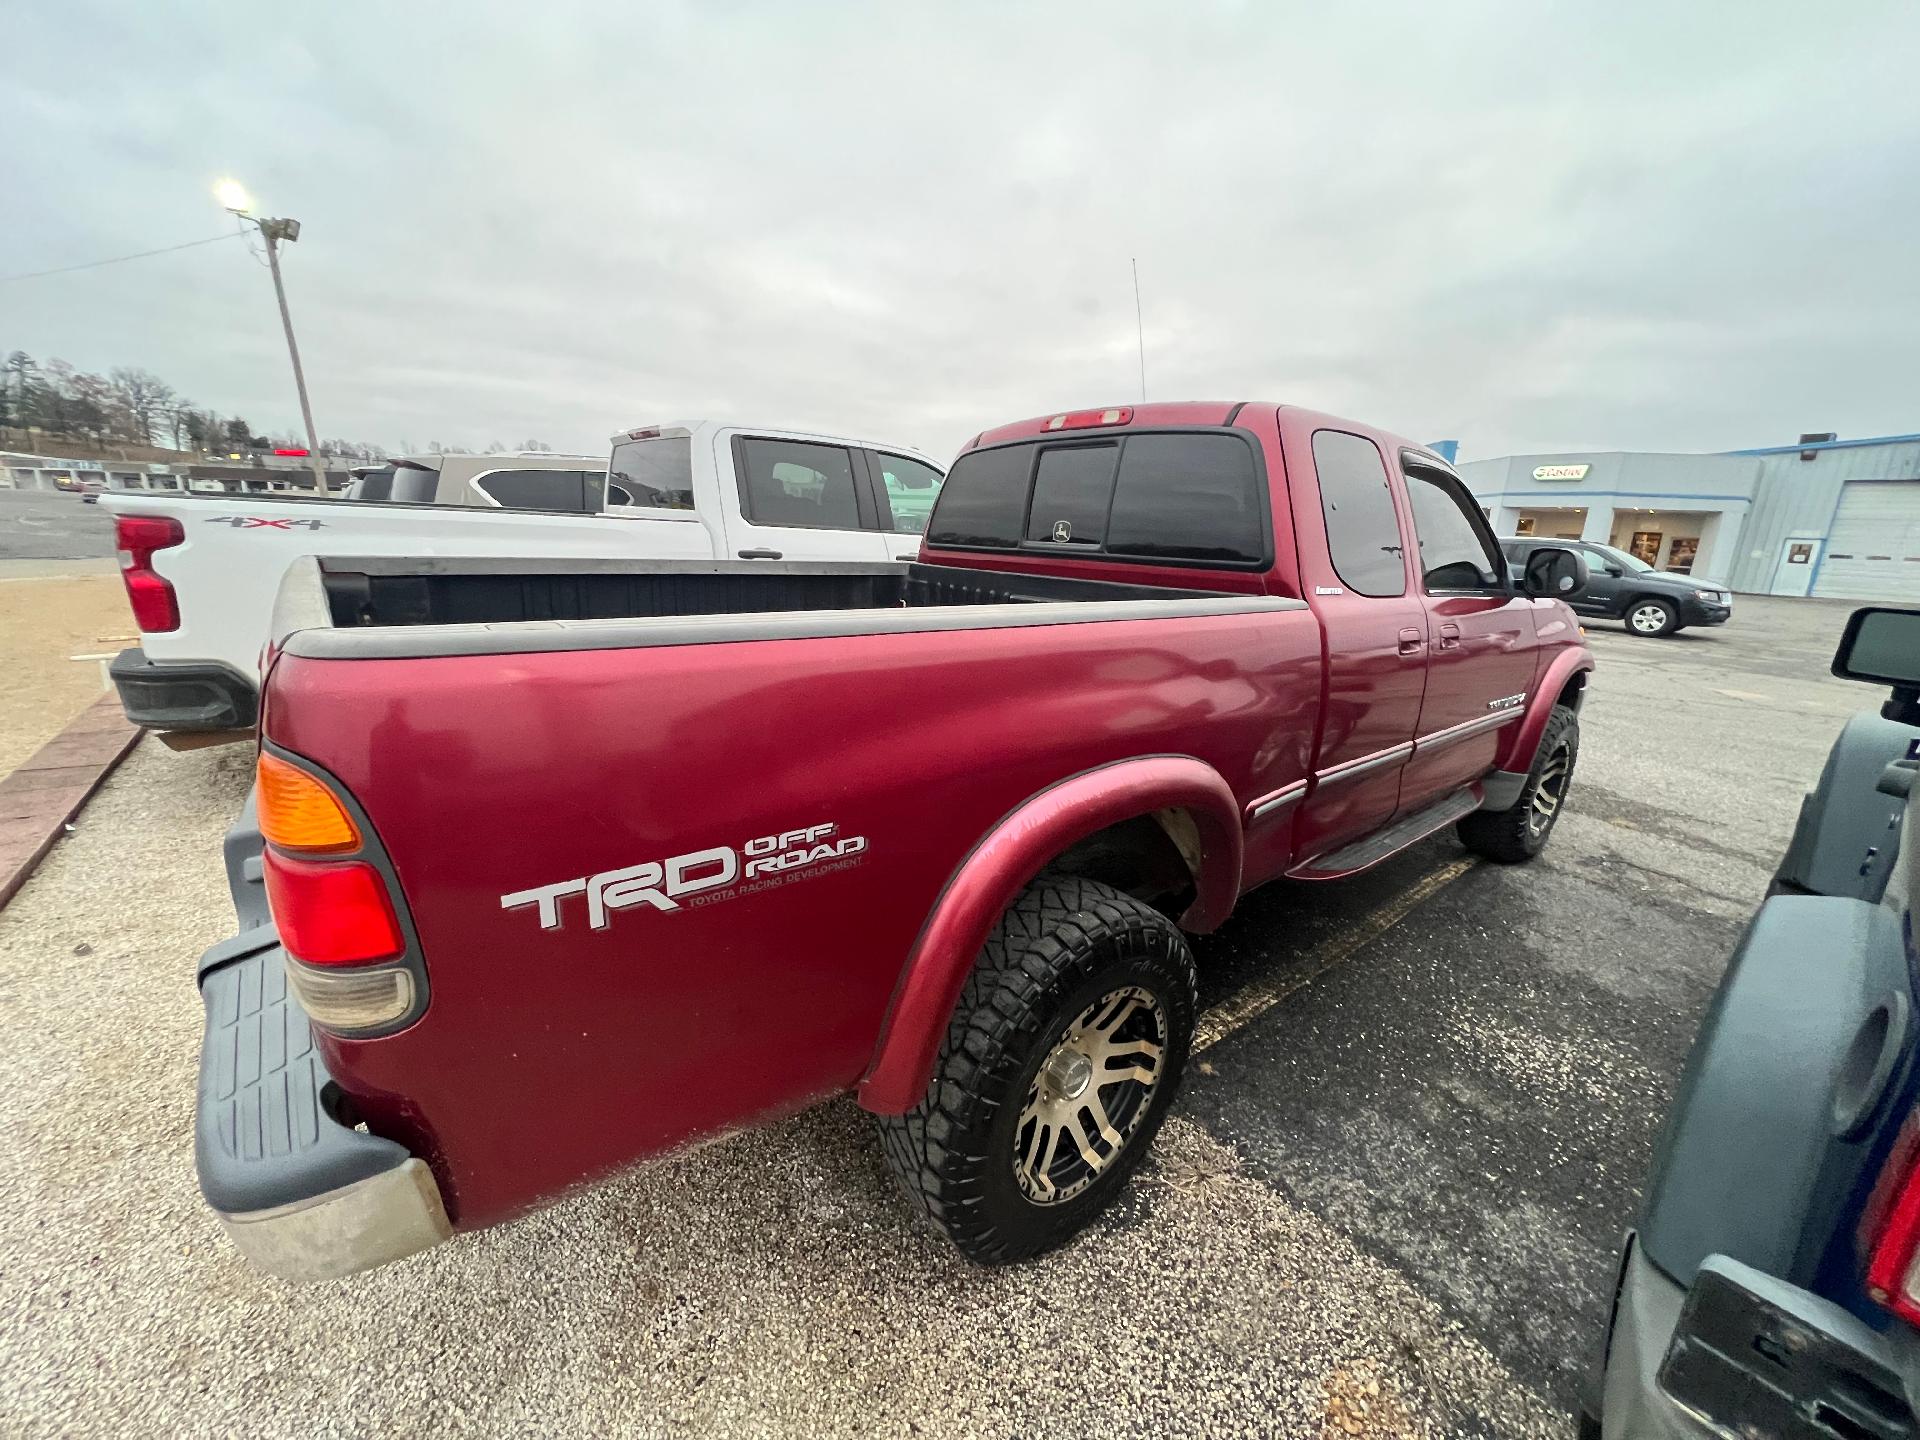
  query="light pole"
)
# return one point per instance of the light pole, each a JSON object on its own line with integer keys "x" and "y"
{"x": 235, "y": 199}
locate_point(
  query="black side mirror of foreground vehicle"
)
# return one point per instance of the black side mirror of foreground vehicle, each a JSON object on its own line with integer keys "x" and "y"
{"x": 1882, "y": 647}
{"x": 1554, "y": 573}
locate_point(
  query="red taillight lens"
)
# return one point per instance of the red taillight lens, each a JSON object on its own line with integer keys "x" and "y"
{"x": 1893, "y": 1271}
{"x": 155, "y": 608}
{"x": 331, "y": 912}
{"x": 1089, "y": 419}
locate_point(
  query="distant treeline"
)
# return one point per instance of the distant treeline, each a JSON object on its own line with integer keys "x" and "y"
{"x": 131, "y": 406}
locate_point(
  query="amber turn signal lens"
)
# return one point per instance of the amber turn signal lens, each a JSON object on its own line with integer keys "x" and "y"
{"x": 297, "y": 812}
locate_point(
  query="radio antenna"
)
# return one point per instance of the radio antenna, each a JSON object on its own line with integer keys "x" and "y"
{"x": 1140, "y": 329}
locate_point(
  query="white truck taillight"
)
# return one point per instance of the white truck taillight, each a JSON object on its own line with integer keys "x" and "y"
{"x": 155, "y": 608}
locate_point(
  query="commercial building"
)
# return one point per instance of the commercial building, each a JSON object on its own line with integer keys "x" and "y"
{"x": 1826, "y": 517}
{"x": 266, "y": 473}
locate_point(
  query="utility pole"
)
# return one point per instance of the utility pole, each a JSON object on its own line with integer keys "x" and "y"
{"x": 273, "y": 232}
{"x": 234, "y": 198}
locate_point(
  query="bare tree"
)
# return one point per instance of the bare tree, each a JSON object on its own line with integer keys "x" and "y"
{"x": 98, "y": 409}
{"x": 146, "y": 397}
{"x": 20, "y": 379}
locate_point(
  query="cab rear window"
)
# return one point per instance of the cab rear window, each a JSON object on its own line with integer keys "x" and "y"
{"x": 1179, "y": 497}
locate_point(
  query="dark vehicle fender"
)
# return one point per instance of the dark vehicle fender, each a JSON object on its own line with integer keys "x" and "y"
{"x": 1845, "y": 816}
{"x": 1773, "y": 1090}
{"x": 1205, "y": 826}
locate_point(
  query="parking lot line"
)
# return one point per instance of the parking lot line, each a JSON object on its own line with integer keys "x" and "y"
{"x": 1251, "y": 1003}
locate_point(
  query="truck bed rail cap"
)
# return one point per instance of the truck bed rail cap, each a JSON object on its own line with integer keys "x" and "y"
{"x": 541, "y": 636}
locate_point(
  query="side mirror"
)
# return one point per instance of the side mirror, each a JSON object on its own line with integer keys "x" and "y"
{"x": 1882, "y": 647}
{"x": 1554, "y": 573}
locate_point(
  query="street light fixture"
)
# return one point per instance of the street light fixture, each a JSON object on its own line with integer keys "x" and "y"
{"x": 233, "y": 196}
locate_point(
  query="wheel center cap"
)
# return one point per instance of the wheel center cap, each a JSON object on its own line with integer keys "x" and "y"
{"x": 1069, "y": 1073}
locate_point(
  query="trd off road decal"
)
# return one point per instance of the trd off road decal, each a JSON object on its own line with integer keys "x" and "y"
{"x": 699, "y": 877}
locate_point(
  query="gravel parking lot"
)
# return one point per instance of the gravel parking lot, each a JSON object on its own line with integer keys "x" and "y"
{"x": 1386, "y": 1203}
{"x": 60, "y": 596}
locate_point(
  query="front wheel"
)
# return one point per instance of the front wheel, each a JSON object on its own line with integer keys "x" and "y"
{"x": 1060, "y": 1061}
{"x": 1520, "y": 831}
{"x": 1652, "y": 618}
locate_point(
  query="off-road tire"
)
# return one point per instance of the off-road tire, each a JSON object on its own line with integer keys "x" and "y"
{"x": 1648, "y": 603}
{"x": 1062, "y": 946}
{"x": 1515, "y": 834}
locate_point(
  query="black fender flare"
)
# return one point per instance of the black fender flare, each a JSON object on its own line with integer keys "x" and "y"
{"x": 1845, "y": 816}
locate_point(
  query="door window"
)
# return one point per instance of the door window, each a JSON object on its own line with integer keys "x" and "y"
{"x": 1363, "y": 532}
{"x": 1456, "y": 550}
{"x": 795, "y": 483}
{"x": 909, "y": 487}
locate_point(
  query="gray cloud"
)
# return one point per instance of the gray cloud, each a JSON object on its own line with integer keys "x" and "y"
{"x": 1526, "y": 226}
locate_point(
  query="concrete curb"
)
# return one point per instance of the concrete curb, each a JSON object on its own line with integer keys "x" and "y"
{"x": 45, "y": 793}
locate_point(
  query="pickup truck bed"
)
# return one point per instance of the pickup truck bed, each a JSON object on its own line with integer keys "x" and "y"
{"x": 202, "y": 569}
{"x": 576, "y": 862}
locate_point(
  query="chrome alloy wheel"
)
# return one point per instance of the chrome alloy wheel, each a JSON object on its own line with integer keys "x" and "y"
{"x": 1648, "y": 619}
{"x": 1090, "y": 1095}
{"x": 1549, "y": 790}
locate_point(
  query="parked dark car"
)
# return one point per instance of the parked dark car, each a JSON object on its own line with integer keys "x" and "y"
{"x": 1624, "y": 587}
{"x": 1772, "y": 1284}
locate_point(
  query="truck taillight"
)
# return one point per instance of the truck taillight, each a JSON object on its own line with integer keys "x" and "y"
{"x": 298, "y": 812}
{"x": 346, "y": 951}
{"x": 155, "y": 608}
{"x": 331, "y": 912}
{"x": 1089, "y": 419}
{"x": 1893, "y": 1268}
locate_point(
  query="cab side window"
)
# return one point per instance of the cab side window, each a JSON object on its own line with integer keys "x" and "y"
{"x": 1456, "y": 552}
{"x": 1363, "y": 530}
{"x": 539, "y": 489}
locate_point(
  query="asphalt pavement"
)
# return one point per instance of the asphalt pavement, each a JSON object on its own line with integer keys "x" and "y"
{"x": 41, "y": 530}
{"x": 1386, "y": 1204}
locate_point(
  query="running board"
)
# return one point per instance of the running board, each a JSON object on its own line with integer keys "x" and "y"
{"x": 1370, "y": 850}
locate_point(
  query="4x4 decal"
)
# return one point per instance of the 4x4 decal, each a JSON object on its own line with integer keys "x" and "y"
{"x": 257, "y": 522}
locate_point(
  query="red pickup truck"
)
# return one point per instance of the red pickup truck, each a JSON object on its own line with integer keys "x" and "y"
{"x": 553, "y": 866}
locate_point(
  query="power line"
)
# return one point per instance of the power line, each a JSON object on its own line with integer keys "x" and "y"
{"x": 118, "y": 259}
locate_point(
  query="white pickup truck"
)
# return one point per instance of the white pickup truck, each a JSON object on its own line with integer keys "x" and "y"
{"x": 201, "y": 570}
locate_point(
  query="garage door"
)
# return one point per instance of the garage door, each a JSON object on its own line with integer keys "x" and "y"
{"x": 1873, "y": 549}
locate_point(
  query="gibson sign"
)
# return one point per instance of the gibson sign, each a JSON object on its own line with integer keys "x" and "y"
{"x": 1561, "y": 472}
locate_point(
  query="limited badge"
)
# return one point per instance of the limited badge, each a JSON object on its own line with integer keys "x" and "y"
{"x": 1062, "y": 532}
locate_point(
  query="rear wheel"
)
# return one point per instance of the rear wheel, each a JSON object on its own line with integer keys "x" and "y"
{"x": 1520, "y": 832}
{"x": 1059, "y": 1064}
{"x": 1651, "y": 617}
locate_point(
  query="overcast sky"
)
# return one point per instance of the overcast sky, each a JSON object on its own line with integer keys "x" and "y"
{"x": 1530, "y": 227}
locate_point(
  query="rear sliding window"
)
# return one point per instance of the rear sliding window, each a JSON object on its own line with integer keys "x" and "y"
{"x": 1186, "y": 497}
